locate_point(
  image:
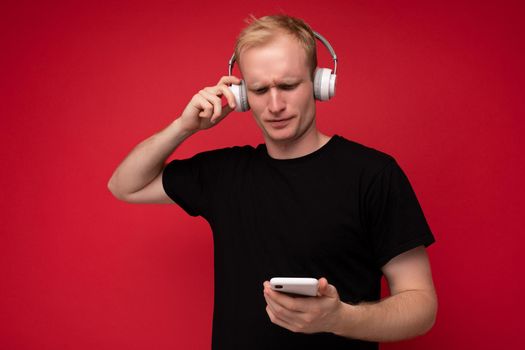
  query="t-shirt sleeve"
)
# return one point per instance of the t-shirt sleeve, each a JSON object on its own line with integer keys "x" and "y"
{"x": 190, "y": 182}
{"x": 395, "y": 220}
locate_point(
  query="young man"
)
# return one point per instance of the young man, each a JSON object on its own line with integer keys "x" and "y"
{"x": 301, "y": 205}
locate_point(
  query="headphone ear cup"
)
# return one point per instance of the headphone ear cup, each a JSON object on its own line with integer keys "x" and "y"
{"x": 324, "y": 84}
{"x": 241, "y": 96}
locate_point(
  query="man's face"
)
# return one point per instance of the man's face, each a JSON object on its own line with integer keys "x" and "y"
{"x": 280, "y": 89}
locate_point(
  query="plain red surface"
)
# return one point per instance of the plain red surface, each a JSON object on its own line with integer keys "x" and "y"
{"x": 439, "y": 85}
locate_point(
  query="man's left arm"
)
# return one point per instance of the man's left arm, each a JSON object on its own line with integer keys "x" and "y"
{"x": 409, "y": 311}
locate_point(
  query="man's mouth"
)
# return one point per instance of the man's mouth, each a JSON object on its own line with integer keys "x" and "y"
{"x": 279, "y": 123}
{"x": 278, "y": 120}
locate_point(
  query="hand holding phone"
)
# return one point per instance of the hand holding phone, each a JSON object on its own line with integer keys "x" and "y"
{"x": 294, "y": 285}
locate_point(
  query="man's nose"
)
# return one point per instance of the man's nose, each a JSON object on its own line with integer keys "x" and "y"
{"x": 276, "y": 103}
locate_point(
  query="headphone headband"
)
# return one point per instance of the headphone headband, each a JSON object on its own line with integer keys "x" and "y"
{"x": 317, "y": 35}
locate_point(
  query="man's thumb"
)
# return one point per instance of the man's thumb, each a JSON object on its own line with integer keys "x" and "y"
{"x": 327, "y": 289}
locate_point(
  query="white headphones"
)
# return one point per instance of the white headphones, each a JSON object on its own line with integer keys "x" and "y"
{"x": 324, "y": 81}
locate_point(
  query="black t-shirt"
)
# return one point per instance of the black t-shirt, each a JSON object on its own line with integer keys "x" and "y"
{"x": 341, "y": 212}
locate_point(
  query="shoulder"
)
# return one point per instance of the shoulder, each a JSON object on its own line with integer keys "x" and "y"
{"x": 232, "y": 152}
{"x": 214, "y": 160}
{"x": 364, "y": 158}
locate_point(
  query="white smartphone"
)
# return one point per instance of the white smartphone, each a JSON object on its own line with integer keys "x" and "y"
{"x": 294, "y": 285}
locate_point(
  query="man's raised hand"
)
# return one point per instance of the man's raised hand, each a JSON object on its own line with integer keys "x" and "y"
{"x": 205, "y": 108}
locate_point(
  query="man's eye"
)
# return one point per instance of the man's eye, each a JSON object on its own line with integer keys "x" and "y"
{"x": 260, "y": 91}
{"x": 288, "y": 87}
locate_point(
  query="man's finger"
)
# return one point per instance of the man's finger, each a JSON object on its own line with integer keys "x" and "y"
{"x": 205, "y": 106}
{"x": 326, "y": 289}
{"x": 281, "y": 313}
{"x": 276, "y": 320}
{"x": 229, "y": 79}
{"x": 298, "y": 304}
{"x": 226, "y": 109}
{"x": 228, "y": 95}
{"x": 214, "y": 100}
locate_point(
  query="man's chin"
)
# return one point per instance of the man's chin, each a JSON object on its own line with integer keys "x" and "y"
{"x": 280, "y": 136}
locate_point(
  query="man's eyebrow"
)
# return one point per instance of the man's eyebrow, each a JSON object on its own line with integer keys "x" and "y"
{"x": 285, "y": 81}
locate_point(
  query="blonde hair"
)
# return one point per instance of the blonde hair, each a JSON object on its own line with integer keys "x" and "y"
{"x": 262, "y": 30}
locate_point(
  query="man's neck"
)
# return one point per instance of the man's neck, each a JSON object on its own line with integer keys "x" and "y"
{"x": 305, "y": 144}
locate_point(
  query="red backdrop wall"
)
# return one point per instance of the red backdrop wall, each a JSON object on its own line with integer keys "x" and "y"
{"x": 436, "y": 84}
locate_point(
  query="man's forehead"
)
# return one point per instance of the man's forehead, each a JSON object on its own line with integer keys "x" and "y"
{"x": 261, "y": 72}
{"x": 286, "y": 71}
{"x": 280, "y": 61}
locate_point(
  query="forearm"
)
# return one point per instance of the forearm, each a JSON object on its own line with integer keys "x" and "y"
{"x": 147, "y": 160}
{"x": 401, "y": 316}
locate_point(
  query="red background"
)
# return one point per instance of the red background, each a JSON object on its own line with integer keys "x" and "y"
{"x": 437, "y": 85}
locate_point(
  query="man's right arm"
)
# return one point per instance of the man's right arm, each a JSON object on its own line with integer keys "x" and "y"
{"x": 138, "y": 179}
